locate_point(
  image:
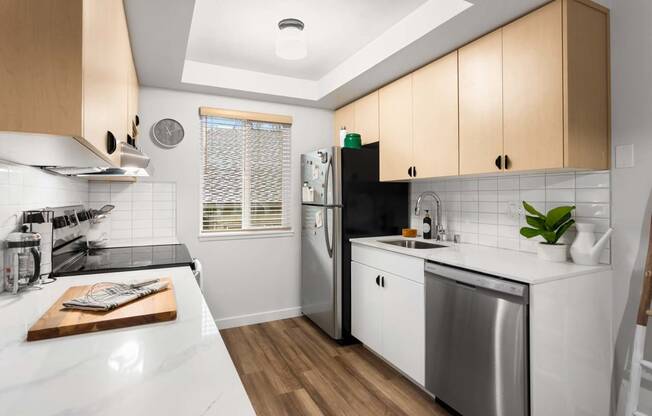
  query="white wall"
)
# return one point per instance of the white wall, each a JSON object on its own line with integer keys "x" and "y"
{"x": 631, "y": 75}
{"x": 241, "y": 277}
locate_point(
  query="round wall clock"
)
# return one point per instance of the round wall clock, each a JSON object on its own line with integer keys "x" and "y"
{"x": 167, "y": 133}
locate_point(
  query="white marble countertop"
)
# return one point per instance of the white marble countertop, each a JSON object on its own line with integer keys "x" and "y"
{"x": 180, "y": 367}
{"x": 509, "y": 264}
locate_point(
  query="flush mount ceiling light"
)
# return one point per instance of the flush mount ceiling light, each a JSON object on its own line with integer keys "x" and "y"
{"x": 291, "y": 41}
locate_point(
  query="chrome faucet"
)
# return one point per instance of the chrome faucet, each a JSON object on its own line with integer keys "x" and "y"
{"x": 439, "y": 227}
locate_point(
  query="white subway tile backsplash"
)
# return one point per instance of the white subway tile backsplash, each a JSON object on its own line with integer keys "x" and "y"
{"x": 469, "y": 206}
{"x": 488, "y": 184}
{"x": 592, "y": 180}
{"x": 487, "y": 240}
{"x": 488, "y": 207}
{"x": 508, "y": 183}
{"x": 560, "y": 195}
{"x": 487, "y": 218}
{"x": 593, "y": 195}
{"x": 490, "y": 229}
{"x": 561, "y": 181}
{"x": 507, "y": 195}
{"x": 532, "y": 182}
{"x": 531, "y": 195}
{"x": 469, "y": 185}
{"x": 488, "y": 210}
{"x": 144, "y": 213}
{"x": 592, "y": 210}
{"x": 164, "y": 187}
{"x": 487, "y": 196}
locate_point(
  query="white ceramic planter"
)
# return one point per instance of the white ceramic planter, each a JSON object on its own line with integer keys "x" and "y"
{"x": 552, "y": 252}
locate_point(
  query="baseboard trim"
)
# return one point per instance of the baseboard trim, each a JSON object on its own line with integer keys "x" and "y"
{"x": 257, "y": 318}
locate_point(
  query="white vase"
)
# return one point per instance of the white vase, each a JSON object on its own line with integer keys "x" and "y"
{"x": 557, "y": 253}
{"x": 584, "y": 249}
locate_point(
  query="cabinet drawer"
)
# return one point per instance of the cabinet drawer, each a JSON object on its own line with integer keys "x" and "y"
{"x": 388, "y": 261}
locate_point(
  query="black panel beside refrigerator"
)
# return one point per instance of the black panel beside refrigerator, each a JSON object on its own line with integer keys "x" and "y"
{"x": 369, "y": 208}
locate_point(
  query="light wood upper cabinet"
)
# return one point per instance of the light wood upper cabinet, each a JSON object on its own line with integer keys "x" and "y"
{"x": 65, "y": 70}
{"x": 41, "y": 66}
{"x": 435, "y": 105}
{"x": 533, "y": 90}
{"x": 366, "y": 117}
{"x": 531, "y": 96}
{"x": 105, "y": 75}
{"x": 481, "y": 105}
{"x": 586, "y": 85}
{"x": 396, "y": 129}
{"x": 360, "y": 117}
{"x": 556, "y": 88}
{"x": 344, "y": 117}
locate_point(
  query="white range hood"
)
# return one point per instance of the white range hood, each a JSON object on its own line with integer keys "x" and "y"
{"x": 66, "y": 156}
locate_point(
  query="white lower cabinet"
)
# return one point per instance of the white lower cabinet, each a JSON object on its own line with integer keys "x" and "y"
{"x": 366, "y": 306}
{"x": 387, "y": 315}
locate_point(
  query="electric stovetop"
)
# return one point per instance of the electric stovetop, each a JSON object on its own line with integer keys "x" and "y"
{"x": 118, "y": 259}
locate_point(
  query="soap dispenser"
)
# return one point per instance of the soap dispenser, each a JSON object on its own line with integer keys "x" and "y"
{"x": 427, "y": 226}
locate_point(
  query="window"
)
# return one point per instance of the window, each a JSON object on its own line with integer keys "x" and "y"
{"x": 246, "y": 171}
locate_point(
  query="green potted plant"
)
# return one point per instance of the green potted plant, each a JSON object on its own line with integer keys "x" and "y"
{"x": 551, "y": 227}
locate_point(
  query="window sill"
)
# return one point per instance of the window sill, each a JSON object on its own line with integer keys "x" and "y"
{"x": 243, "y": 235}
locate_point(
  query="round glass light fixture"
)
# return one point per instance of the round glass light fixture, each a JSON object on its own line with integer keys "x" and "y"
{"x": 291, "y": 41}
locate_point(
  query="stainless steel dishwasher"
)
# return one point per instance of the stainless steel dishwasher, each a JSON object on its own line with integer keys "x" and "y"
{"x": 476, "y": 342}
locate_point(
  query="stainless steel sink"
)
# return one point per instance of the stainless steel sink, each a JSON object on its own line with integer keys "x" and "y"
{"x": 412, "y": 244}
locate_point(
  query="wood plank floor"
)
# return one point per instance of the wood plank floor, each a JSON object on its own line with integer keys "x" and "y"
{"x": 290, "y": 367}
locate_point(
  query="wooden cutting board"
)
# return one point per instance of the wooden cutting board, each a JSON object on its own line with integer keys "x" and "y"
{"x": 59, "y": 322}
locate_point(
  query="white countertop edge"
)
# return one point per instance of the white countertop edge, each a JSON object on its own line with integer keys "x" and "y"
{"x": 509, "y": 264}
{"x": 168, "y": 368}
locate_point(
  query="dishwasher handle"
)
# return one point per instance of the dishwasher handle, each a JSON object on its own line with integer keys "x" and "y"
{"x": 478, "y": 280}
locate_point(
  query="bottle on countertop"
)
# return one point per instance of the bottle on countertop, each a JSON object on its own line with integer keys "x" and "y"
{"x": 427, "y": 226}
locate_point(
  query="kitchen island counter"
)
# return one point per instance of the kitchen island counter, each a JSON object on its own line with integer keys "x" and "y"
{"x": 180, "y": 367}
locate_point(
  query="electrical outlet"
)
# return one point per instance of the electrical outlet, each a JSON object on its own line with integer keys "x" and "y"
{"x": 625, "y": 156}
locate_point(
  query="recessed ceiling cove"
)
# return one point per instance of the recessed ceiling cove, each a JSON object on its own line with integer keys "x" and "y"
{"x": 231, "y": 43}
{"x": 242, "y": 34}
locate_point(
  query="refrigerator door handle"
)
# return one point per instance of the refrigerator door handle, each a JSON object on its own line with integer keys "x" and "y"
{"x": 329, "y": 169}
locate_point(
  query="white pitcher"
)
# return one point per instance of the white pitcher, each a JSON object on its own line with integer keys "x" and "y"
{"x": 584, "y": 249}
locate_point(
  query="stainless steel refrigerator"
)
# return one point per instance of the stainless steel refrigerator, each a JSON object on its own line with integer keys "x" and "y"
{"x": 342, "y": 198}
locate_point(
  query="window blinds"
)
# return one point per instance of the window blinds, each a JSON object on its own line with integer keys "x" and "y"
{"x": 246, "y": 174}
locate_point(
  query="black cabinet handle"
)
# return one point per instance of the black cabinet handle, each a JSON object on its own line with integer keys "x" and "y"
{"x": 111, "y": 143}
{"x": 378, "y": 280}
{"x": 410, "y": 171}
{"x": 382, "y": 281}
{"x": 499, "y": 162}
{"x": 137, "y": 120}
{"x": 508, "y": 163}
{"x": 414, "y": 171}
{"x": 131, "y": 140}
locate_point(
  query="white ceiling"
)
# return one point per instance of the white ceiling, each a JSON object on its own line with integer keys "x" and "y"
{"x": 241, "y": 34}
{"x": 372, "y": 43}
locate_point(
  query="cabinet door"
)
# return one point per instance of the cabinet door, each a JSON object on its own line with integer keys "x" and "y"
{"x": 105, "y": 74}
{"x": 132, "y": 100}
{"x": 344, "y": 117}
{"x": 403, "y": 329}
{"x": 434, "y": 90}
{"x": 40, "y": 66}
{"x": 366, "y": 306}
{"x": 533, "y": 90}
{"x": 481, "y": 104}
{"x": 366, "y": 117}
{"x": 396, "y": 129}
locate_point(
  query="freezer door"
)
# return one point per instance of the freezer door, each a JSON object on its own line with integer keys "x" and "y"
{"x": 320, "y": 181}
{"x": 321, "y": 268}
